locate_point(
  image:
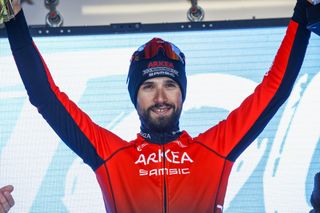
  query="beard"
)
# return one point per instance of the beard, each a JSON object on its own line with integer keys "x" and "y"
{"x": 162, "y": 123}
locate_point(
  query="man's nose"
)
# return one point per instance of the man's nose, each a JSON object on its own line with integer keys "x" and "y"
{"x": 160, "y": 96}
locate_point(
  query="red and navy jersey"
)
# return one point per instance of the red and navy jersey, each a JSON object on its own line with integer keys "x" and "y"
{"x": 188, "y": 174}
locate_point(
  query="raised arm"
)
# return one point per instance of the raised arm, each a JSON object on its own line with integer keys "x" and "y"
{"x": 231, "y": 136}
{"x": 74, "y": 127}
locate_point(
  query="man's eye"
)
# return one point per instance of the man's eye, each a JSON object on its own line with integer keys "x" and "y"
{"x": 171, "y": 85}
{"x": 147, "y": 86}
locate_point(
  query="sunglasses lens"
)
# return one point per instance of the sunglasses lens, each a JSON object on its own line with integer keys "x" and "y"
{"x": 152, "y": 48}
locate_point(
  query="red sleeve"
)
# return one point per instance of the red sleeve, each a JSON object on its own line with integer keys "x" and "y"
{"x": 231, "y": 136}
{"x": 91, "y": 142}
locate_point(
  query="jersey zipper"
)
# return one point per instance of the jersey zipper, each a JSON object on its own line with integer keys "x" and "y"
{"x": 164, "y": 179}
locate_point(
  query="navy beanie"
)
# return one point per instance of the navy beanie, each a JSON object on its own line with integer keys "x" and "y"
{"x": 160, "y": 65}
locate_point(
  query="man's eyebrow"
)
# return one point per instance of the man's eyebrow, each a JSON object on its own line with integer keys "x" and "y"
{"x": 147, "y": 82}
{"x": 171, "y": 81}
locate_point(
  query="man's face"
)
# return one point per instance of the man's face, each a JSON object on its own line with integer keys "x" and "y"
{"x": 159, "y": 103}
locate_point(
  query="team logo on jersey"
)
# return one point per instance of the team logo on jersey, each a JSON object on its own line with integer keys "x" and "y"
{"x": 167, "y": 156}
{"x": 170, "y": 156}
{"x": 140, "y": 147}
{"x": 219, "y": 208}
{"x": 164, "y": 171}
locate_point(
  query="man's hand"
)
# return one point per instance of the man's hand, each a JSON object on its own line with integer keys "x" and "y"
{"x": 16, "y": 4}
{"x": 6, "y": 199}
{"x": 314, "y": 2}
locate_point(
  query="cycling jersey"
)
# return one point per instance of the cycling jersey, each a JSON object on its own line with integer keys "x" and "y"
{"x": 188, "y": 174}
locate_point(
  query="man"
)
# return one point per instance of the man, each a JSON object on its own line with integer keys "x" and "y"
{"x": 163, "y": 169}
{"x": 6, "y": 199}
{"x": 315, "y": 197}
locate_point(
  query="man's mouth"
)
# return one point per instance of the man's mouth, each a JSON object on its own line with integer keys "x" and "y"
{"x": 161, "y": 109}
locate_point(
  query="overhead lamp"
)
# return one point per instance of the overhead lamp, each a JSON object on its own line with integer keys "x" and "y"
{"x": 195, "y": 13}
{"x": 53, "y": 18}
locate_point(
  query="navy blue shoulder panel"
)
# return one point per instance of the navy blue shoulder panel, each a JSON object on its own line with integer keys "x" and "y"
{"x": 36, "y": 81}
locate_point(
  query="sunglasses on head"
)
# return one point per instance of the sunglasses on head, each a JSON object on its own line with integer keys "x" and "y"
{"x": 152, "y": 48}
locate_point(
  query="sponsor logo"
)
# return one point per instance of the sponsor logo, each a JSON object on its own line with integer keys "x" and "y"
{"x": 220, "y": 208}
{"x": 139, "y": 148}
{"x": 156, "y": 71}
{"x": 161, "y": 64}
{"x": 169, "y": 156}
{"x": 145, "y": 135}
{"x": 180, "y": 144}
{"x": 164, "y": 171}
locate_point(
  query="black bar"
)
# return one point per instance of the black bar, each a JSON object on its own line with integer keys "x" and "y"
{"x": 42, "y": 30}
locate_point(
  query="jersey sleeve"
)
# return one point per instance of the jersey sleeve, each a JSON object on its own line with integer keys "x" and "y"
{"x": 87, "y": 139}
{"x": 233, "y": 135}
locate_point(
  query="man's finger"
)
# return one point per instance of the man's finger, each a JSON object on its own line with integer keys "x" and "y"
{"x": 2, "y": 209}
{"x": 9, "y": 198}
{"x": 4, "y": 203}
{"x": 8, "y": 188}
{"x": 6, "y": 199}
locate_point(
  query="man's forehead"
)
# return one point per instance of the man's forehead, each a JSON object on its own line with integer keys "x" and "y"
{"x": 159, "y": 80}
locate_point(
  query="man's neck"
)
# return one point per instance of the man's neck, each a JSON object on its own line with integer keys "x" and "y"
{"x": 160, "y": 137}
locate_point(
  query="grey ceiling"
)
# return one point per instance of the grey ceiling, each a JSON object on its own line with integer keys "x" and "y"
{"x": 102, "y": 12}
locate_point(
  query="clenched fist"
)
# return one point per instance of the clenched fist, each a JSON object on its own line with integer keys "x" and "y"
{"x": 6, "y": 199}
